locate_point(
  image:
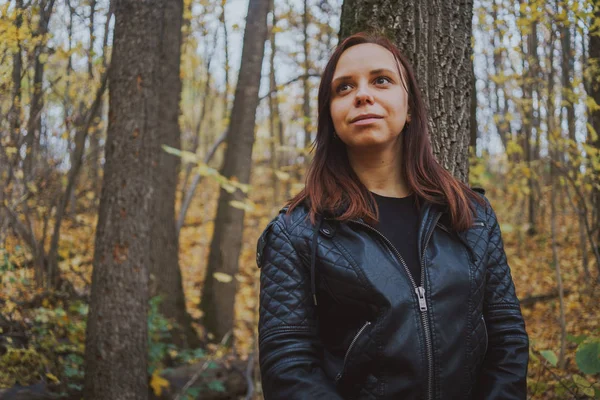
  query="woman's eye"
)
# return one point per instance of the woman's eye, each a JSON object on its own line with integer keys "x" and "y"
{"x": 382, "y": 80}
{"x": 342, "y": 87}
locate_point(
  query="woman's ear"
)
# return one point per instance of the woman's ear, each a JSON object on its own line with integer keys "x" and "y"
{"x": 408, "y": 117}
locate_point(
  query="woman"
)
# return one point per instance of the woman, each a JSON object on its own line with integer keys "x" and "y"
{"x": 385, "y": 278}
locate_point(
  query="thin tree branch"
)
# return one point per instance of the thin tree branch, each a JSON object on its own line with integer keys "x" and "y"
{"x": 296, "y": 79}
{"x": 195, "y": 377}
{"x": 197, "y": 178}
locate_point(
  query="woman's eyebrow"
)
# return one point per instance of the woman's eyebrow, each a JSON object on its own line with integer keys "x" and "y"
{"x": 373, "y": 72}
{"x": 381, "y": 70}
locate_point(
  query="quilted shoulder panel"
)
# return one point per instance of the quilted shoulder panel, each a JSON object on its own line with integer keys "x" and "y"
{"x": 500, "y": 288}
{"x": 285, "y": 295}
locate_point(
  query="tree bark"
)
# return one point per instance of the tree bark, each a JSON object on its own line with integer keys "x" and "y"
{"x": 164, "y": 257}
{"x": 502, "y": 125}
{"x": 273, "y": 114}
{"x": 530, "y": 61}
{"x": 94, "y": 135}
{"x": 14, "y": 121}
{"x": 594, "y": 115}
{"x": 473, "y": 128}
{"x": 92, "y": 38}
{"x": 218, "y": 297}
{"x": 556, "y": 263}
{"x": 305, "y": 81}
{"x": 553, "y": 134}
{"x": 14, "y": 116}
{"x": 435, "y": 35}
{"x": 34, "y": 124}
{"x": 117, "y": 328}
{"x": 226, "y": 51}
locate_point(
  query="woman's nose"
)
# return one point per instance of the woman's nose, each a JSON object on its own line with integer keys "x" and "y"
{"x": 363, "y": 95}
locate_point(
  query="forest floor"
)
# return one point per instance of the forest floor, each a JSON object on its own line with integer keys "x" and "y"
{"x": 530, "y": 258}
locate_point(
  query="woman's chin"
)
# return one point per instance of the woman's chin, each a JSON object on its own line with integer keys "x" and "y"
{"x": 371, "y": 140}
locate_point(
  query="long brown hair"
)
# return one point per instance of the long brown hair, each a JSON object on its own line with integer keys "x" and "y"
{"x": 332, "y": 186}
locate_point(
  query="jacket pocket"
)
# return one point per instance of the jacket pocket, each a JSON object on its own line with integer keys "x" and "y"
{"x": 350, "y": 348}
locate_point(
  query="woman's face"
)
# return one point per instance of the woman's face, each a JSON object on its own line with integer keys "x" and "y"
{"x": 368, "y": 101}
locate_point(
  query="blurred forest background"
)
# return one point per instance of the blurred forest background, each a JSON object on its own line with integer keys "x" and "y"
{"x": 151, "y": 142}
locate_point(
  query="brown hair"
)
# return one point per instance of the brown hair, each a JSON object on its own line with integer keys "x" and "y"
{"x": 332, "y": 185}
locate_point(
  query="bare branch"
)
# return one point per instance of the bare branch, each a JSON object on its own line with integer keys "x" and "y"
{"x": 296, "y": 79}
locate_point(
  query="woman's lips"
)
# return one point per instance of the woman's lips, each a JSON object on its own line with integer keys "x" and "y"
{"x": 366, "y": 121}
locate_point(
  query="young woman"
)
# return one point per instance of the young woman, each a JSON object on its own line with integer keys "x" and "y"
{"x": 385, "y": 278}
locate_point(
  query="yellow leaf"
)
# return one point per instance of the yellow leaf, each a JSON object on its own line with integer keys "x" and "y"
{"x": 10, "y": 150}
{"x": 32, "y": 188}
{"x": 52, "y": 377}
{"x": 158, "y": 383}
{"x": 241, "y": 205}
{"x": 282, "y": 176}
{"x": 223, "y": 278}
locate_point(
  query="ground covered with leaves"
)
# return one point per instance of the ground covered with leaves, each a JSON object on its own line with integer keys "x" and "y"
{"x": 42, "y": 334}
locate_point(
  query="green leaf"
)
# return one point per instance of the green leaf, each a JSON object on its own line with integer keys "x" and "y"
{"x": 192, "y": 393}
{"x": 588, "y": 357}
{"x": 576, "y": 339}
{"x": 589, "y": 391}
{"x": 216, "y": 386}
{"x": 550, "y": 356}
{"x": 581, "y": 381}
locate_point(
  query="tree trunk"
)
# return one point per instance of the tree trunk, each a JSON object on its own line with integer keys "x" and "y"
{"x": 473, "y": 130}
{"x": 529, "y": 121}
{"x": 14, "y": 116}
{"x": 95, "y": 132}
{"x": 117, "y": 330}
{"x": 435, "y": 35}
{"x": 502, "y": 125}
{"x": 305, "y": 82}
{"x": 164, "y": 265}
{"x": 556, "y": 263}
{"x": 274, "y": 143}
{"x": 277, "y": 133}
{"x": 34, "y": 124}
{"x": 553, "y": 135}
{"x": 594, "y": 115}
{"x": 218, "y": 295}
{"x": 14, "y": 121}
{"x": 226, "y": 51}
{"x": 92, "y": 39}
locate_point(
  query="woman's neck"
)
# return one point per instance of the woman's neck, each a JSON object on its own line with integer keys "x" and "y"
{"x": 380, "y": 170}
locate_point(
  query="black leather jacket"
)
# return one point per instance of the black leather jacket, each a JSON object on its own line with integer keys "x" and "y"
{"x": 373, "y": 334}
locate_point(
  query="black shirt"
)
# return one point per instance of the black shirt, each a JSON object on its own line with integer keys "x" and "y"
{"x": 399, "y": 222}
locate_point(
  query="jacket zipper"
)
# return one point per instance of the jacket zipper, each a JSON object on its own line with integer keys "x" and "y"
{"x": 360, "y": 331}
{"x": 420, "y": 291}
{"x": 487, "y": 339}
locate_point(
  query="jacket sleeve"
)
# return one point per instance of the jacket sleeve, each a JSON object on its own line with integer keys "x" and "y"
{"x": 504, "y": 372}
{"x": 290, "y": 351}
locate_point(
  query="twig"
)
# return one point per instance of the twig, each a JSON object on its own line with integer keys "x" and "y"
{"x": 565, "y": 173}
{"x": 558, "y": 378}
{"x": 249, "y": 380}
{"x": 195, "y": 377}
{"x": 303, "y": 76}
{"x": 190, "y": 193}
